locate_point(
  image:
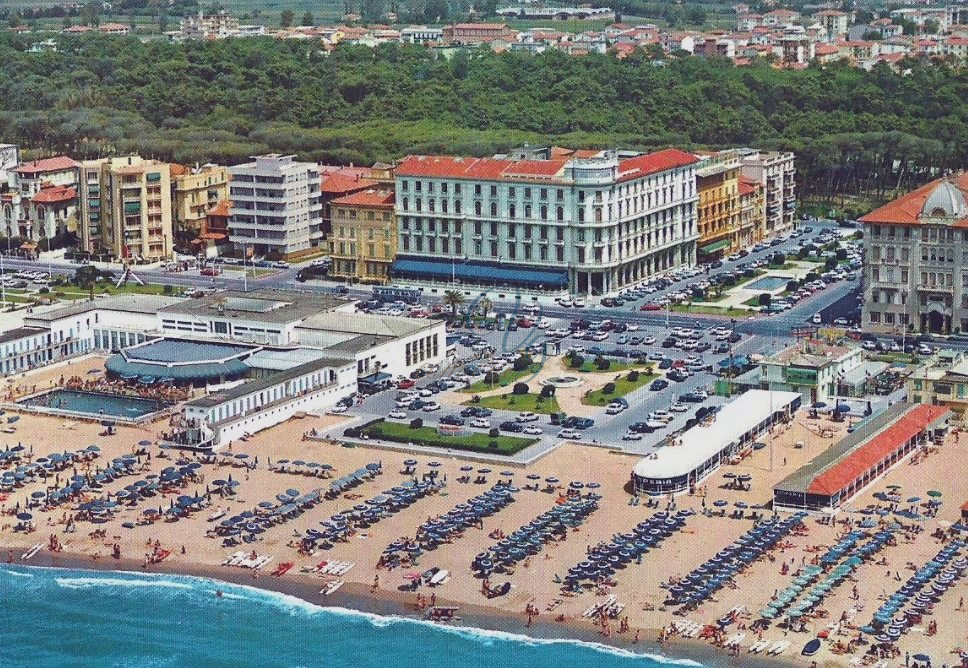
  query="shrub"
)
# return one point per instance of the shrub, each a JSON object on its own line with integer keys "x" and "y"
{"x": 577, "y": 361}
{"x": 841, "y": 253}
{"x": 602, "y": 364}
{"x": 43, "y": 291}
{"x": 830, "y": 264}
{"x": 520, "y": 388}
{"x": 416, "y": 423}
{"x": 729, "y": 281}
{"x": 523, "y": 362}
{"x": 494, "y": 432}
{"x": 493, "y": 445}
{"x": 765, "y": 298}
{"x": 168, "y": 289}
{"x": 778, "y": 258}
{"x": 749, "y": 273}
{"x": 547, "y": 391}
{"x": 792, "y": 286}
{"x": 811, "y": 277}
{"x": 609, "y": 388}
{"x": 492, "y": 378}
{"x": 633, "y": 375}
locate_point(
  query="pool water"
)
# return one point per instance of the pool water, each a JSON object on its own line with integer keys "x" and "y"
{"x": 768, "y": 283}
{"x": 96, "y": 404}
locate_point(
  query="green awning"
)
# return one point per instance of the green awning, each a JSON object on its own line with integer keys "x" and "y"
{"x": 714, "y": 246}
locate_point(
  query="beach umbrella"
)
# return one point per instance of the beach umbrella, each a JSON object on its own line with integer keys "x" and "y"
{"x": 292, "y": 492}
{"x": 914, "y": 499}
{"x": 144, "y": 442}
{"x": 934, "y": 493}
{"x": 533, "y": 476}
{"x": 507, "y": 474}
{"x": 409, "y": 462}
{"x": 720, "y": 503}
{"x": 241, "y": 455}
{"x": 24, "y": 517}
{"x": 921, "y": 657}
{"x": 552, "y": 481}
{"x": 38, "y": 495}
{"x": 433, "y": 464}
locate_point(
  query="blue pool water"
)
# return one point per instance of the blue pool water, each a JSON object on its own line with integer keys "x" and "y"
{"x": 96, "y": 404}
{"x": 767, "y": 283}
{"x": 54, "y": 617}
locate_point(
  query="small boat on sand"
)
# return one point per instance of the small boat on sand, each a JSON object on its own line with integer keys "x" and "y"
{"x": 812, "y": 647}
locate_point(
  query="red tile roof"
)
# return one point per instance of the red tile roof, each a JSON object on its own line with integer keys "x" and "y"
{"x": 878, "y": 448}
{"x": 51, "y": 194}
{"x": 383, "y": 199}
{"x": 335, "y": 184}
{"x": 493, "y": 169}
{"x": 56, "y": 164}
{"x": 746, "y": 188}
{"x": 905, "y": 210}
{"x": 221, "y": 209}
{"x": 660, "y": 161}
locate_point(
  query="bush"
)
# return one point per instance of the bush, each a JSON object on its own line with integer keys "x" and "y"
{"x": 830, "y": 264}
{"x": 493, "y": 445}
{"x": 749, "y": 273}
{"x": 602, "y": 364}
{"x": 765, "y": 298}
{"x": 523, "y": 362}
{"x": 841, "y": 253}
{"x": 577, "y": 361}
{"x": 811, "y": 277}
{"x": 43, "y": 291}
{"x": 729, "y": 281}
{"x": 778, "y": 258}
{"x": 351, "y": 432}
{"x": 168, "y": 289}
{"x": 520, "y": 388}
{"x": 547, "y": 391}
{"x": 792, "y": 286}
{"x": 492, "y": 378}
{"x": 609, "y": 388}
{"x": 633, "y": 375}
{"x": 416, "y": 423}
{"x": 494, "y": 432}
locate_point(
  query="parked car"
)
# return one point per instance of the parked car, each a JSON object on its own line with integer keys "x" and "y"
{"x": 659, "y": 384}
{"x": 431, "y": 406}
{"x": 569, "y": 433}
{"x": 527, "y": 417}
{"x": 397, "y": 415}
{"x": 512, "y": 427}
{"x": 455, "y": 420}
{"x": 481, "y": 423}
{"x": 533, "y": 430}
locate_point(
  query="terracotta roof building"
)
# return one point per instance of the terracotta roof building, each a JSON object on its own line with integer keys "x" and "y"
{"x": 842, "y": 471}
{"x": 363, "y": 240}
{"x": 913, "y": 265}
{"x": 595, "y": 221}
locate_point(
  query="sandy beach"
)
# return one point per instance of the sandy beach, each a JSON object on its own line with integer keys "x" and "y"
{"x": 533, "y": 581}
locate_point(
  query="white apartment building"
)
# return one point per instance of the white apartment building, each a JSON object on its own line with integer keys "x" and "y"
{"x": 9, "y": 157}
{"x": 546, "y": 220}
{"x": 276, "y": 209}
{"x": 776, "y": 172}
{"x": 422, "y": 35}
{"x": 915, "y": 265}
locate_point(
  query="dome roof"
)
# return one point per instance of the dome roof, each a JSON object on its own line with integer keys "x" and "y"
{"x": 945, "y": 201}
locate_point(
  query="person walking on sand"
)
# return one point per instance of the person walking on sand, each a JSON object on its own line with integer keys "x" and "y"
{"x": 376, "y": 583}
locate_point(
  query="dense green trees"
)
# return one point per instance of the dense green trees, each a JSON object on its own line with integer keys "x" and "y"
{"x": 854, "y": 131}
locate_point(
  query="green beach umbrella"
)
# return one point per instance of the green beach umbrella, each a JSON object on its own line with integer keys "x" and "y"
{"x": 934, "y": 493}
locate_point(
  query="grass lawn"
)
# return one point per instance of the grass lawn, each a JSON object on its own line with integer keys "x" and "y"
{"x": 401, "y": 432}
{"x": 531, "y": 402}
{"x": 614, "y": 366}
{"x": 623, "y": 386}
{"x": 506, "y": 377}
{"x": 711, "y": 310}
{"x": 75, "y": 292}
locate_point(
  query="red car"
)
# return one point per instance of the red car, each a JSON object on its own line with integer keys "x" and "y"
{"x": 405, "y": 384}
{"x": 210, "y": 271}
{"x": 651, "y": 306}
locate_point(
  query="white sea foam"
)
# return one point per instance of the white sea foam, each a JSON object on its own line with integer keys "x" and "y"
{"x": 86, "y": 583}
{"x": 19, "y": 574}
{"x": 294, "y": 605}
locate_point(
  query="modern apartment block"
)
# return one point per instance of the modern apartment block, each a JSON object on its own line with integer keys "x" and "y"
{"x": 587, "y": 222}
{"x": 915, "y": 268}
{"x": 364, "y": 238}
{"x": 719, "y": 210}
{"x": 125, "y": 208}
{"x": 194, "y": 192}
{"x": 276, "y": 208}
{"x": 777, "y": 173}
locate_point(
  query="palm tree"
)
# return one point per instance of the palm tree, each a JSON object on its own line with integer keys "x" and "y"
{"x": 453, "y": 299}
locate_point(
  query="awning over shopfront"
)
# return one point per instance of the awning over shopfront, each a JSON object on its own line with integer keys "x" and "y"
{"x": 482, "y": 273}
{"x": 715, "y": 246}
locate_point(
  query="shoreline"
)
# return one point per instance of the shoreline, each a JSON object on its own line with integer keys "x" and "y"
{"x": 357, "y": 597}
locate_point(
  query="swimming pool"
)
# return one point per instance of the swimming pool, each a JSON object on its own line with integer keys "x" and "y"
{"x": 95, "y": 404}
{"x": 768, "y": 283}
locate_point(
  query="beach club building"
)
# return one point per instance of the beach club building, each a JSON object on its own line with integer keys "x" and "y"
{"x": 842, "y": 471}
{"x": 703, "y": 449}
{"x": 260, "y": 356}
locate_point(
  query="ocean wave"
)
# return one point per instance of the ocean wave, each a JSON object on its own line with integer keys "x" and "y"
{"x": 88, "y": 582}
{"x": 294, "y": 605}
{"x": 19, "y": 574}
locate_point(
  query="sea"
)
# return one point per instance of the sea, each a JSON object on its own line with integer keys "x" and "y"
{"x": 51, "y": 617}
